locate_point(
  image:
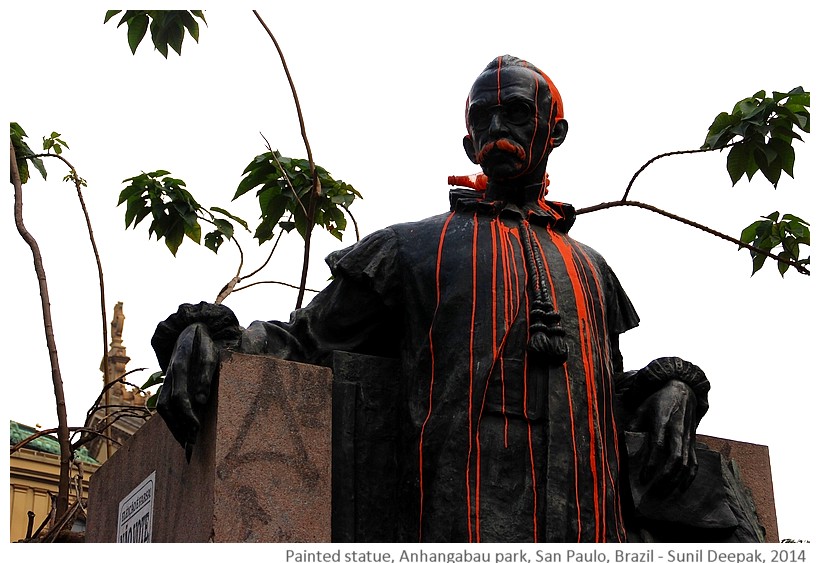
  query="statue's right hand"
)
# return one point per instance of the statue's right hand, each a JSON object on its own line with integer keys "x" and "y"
{"x": 187, "y": 385}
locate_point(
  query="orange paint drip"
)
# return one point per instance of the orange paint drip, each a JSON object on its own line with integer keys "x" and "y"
{"x": 498, "y": 78}
{"x": 608, "y": 391}
{"x": 533, "y": 479}
{"x": 495, "y": 227}
{"x": 588, "y": 365}
{"x": 571, "y": 410}
{"x": 534, "y": 129}
{"x": 432, "y": 372}
{"x": 470, "y": 395}
{"x": 608, "y": 415}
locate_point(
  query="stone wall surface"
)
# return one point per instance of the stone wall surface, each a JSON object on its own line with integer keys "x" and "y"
{"x": 260, "y": 471}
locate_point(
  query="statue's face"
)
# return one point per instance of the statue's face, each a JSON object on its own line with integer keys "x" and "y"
{"x": 508, "y": 120}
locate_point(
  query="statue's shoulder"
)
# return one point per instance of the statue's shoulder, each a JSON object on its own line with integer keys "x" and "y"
{"x": 422, "y": 233}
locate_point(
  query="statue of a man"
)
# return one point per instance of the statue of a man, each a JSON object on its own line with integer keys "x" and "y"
{"x": 512, "y": 385}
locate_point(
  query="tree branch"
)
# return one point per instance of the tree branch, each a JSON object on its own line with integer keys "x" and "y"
{"x": 275, "y": 282}
{"x": 660, "y": 156}
{"x": 621, "y": 203}
{"x": 317, "y": 188}
{"x": 56, "y": 377}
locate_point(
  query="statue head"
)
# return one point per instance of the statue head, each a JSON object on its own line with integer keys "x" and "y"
{"x": 514, "y": 119}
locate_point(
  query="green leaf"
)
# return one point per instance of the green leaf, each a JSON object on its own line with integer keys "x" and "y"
{"x": 214, "y": 240}
{"x": 136, "y": 31}
{"x": 129, "y": 192}
{"x": 783, "y": 266}
{"x": 791, "y": 247}
{"x": 175, "y": 37}
{"x": 757, "y": 262}
{"x": 38, "y": 164}
{"x": 749, "y": 233}
{"x": 151, "y": 403}
{"x": 190, "y": 24}
{"x": 110, "y": 14}
{"x": 736, "y": 162}
{"x": 154, "y": 379}
{"x": 224, "y": 227}
{"x": 128, "y": 15}
{"x": 174, "y": 235}
{"x": 159, "y": 33}
{"x": 264, "y": 232}
{"x": 193, "y": 231}
{"x": 231, "y": 216}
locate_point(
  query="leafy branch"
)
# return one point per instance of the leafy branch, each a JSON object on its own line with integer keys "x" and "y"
{"x": 293, "y": 193}
{"x": 56, "y": 377}
{"x": 167, "y": 27}
{"x": 759, "y": 132}
{"x": 19, "y": 161}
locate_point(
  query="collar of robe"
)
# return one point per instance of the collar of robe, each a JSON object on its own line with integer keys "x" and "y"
{"x": 546, "y": 336}
{"x": 555, "y": 215}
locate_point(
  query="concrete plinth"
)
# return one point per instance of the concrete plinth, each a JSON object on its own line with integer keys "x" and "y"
{"x": 260, "y": 471}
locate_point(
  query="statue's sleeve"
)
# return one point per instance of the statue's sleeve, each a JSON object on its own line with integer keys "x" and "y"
{"x": 356, "y": 313}
{"x": 636, "y": 386}
{"x": 620, "y": 314}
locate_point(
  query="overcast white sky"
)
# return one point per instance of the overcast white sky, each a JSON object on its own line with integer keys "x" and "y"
{"x": 383, "y": 89}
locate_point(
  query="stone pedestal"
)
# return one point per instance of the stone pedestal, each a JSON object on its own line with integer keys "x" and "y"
{"x": 755, "y": 472}
{"x": 260, "y": 471}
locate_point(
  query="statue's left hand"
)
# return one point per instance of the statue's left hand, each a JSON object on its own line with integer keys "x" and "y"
{"x": 187, "y": 385}
{"x": 668, "y": 416}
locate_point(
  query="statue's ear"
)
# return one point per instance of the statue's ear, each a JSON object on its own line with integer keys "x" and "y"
{"x": 469, "y": 148}
{"x": 559, "y": 132}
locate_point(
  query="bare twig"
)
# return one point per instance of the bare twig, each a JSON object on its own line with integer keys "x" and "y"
{"x": 275, "y": 282}
{"x": 663, "y": 155}
{"x": 287, "y": 178}
{"x": 108, "y": 386}
{"x": 40, "y": 433}
{"x": 317, "y": 188}
{"x": 270, "y": 255}
{"x": 355, "y": 224}
{"x": 78, "y": 185}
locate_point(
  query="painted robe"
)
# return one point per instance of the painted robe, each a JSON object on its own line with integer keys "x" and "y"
{"x": 497, "y": 446}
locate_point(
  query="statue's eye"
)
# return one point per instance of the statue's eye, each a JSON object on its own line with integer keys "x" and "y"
{"x": 517, "y": 113}
{"x": 480, "y": 117}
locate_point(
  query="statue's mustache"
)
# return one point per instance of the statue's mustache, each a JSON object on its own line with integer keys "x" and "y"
{"x": 504, "y": 145}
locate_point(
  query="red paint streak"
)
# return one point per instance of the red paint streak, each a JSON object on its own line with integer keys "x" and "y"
{"x": 591, "y": 325}
{"x": 495, "y": 230}
{"x": 571, "y": 410}
{"x": 588, "y": 364}
{"x": 432, "y": 371}
{"x": 498, "y": 87}
{"x": 605, "y": 355}
{"x": 535, "y": 127}
{"x": 533, "y": 478}
{"x": 470, "y": 395}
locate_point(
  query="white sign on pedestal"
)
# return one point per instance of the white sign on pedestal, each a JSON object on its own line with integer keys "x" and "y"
{"x": 136, "y": 513}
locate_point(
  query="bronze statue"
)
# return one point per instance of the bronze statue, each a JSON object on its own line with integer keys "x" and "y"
{"x": 512, "y": 392}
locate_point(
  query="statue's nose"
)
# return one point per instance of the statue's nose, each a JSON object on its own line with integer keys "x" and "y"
{"x": 498, "y": 125}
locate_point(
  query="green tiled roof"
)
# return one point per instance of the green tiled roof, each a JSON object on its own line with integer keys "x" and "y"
{"x": 49, "y": 444}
